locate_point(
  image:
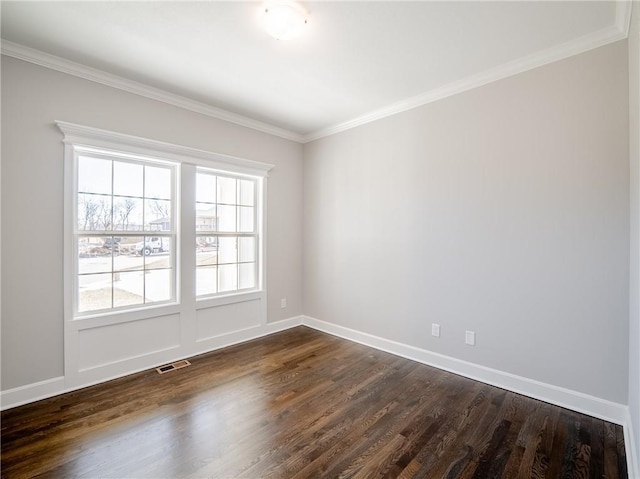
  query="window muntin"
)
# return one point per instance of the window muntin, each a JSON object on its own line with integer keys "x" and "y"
{"x": 227, "y": 237}
{"x": 124, "y": 234}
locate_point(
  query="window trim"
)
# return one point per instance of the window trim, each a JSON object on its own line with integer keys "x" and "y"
{"x": 85, "y": 136}
{"x": 78, "y": 137}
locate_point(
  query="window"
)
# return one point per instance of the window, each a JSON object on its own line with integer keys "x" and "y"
{"x": 131, "y": 205}
{"x": 226, "y": 233}
{"x": 124, "y": 237}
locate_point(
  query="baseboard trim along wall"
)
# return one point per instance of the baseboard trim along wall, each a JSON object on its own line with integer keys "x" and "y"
{"x": 566, "y": 398}
{"x": 633, "y": 467}
{"x": 52, "y": 387}
{"x": 32, "y": 392}
{"x": 576, "y": 401}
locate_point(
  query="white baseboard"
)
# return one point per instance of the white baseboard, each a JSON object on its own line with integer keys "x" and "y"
{"x": 631, "y": 447}
{"x": 206, "y": 345}
{"x": 31, "y": 392}
{"x": 566, "y": 398}
{"x": 52, "y": 387}
{"x": 576, "y": 401}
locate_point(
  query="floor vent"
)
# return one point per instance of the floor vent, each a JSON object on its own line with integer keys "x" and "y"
{"x": 173, "y": 366}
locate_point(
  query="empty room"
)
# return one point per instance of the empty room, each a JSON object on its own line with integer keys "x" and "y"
{"x": 320, "y": 239}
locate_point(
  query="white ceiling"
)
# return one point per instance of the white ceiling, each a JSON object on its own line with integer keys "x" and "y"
{"x": 357, "y": 61}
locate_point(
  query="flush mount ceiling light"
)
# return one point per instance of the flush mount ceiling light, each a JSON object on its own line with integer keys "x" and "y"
{"x": 283, "y": 20}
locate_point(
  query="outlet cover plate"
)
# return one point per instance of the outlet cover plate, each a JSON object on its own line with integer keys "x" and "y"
{"x": 470, "y": 338}
{"x": 435, "y": 330}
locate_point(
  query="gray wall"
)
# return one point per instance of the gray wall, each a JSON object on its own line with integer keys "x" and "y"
{"x": 32, "y": 200}
{"x": 634, "y": 287}
{"x": 503, "y": 210}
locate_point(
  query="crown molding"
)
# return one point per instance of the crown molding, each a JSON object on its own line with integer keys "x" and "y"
{"x": 579, "y": 45}
{"x": 53, "y": 62}
{"x": 623, "y": 16}
{"x": 618, "y": 31}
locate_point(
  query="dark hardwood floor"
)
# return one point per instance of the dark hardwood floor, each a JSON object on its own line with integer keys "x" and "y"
{"x": 303, "y": 404}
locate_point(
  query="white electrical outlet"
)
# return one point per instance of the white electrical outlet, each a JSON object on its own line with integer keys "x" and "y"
{"x": 283, "y": 303}
{"x": 435, "y": 330}
{"x": 470, "y": 338}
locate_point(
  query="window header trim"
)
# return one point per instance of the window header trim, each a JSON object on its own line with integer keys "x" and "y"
{"x": 92, "y": 138}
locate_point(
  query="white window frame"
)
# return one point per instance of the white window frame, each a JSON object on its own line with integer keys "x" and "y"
{"x": 78, "y": 137}
{"x": 257, "y": 232}
{"x": 82, "y": 151}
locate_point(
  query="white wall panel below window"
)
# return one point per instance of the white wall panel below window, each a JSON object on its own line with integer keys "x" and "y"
{"x": 123, "y": 341}
{"x": 216, "y": 321}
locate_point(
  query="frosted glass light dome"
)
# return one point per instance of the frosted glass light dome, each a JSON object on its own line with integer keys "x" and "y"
{"x": 283, "y": 20}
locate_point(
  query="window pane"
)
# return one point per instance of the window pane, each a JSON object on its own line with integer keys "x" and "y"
{"x": 206, "y": 219}
{"x": 159, "y": 258}
{"x": 206, "y": 280}
{"x": 225, "y": 205}
{"x": 94, "y": 292}
{"x": 153, "y": 246}
{"x": 247, "y": 275}
{"x": 157, "y": 215}
{"x": 116, "y": 270}
{"x": 226, "y": 218}
{"x": 94, "y": 212}
{"x": 226, "y": 190}
{"x": 93, "y": 256}
{"x": 205, "y": 188}
{"x": 246, "y": 219}
{"x": 227, "y": 252}
{"x": 227, "y": 277}
{"x": 127, "y": 257}
{"x": 127, "y": 179}
{"x": 128, "y": 288}
{"x": 157, "y": 182}
{"x": 94, "y": 175}
{"x": 206, "y": 251}
{"x": 127, "y": 214}
{"x": 247, "y": 195}
{"x": 157, "y": 285}
{"x": 246, "y": 249}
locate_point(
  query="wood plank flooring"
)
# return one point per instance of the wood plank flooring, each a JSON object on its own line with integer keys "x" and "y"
{"x": 303, "y": 404}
